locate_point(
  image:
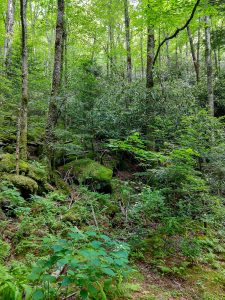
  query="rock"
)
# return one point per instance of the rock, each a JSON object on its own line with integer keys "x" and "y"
{"x": 32, "y": 170}
{"x": 26, "y": 185}
{"x": 89, "y": 172}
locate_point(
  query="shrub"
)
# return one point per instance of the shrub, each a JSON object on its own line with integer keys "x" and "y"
{"x": 90, "y": 262}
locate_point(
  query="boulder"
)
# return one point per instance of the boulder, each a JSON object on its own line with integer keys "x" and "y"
{"x": 29, "y": 170}
{"x": 89, "y": 172}
{"x": 26, "y": 185}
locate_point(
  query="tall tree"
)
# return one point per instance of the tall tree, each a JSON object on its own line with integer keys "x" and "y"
{"x": 128, "y": 41}
{"x": 150, "y": 58}
{"x": 22, "y": 127}
{"x": 56, "y": 82}
{"x": 193, "y": 53}
{"x": 9, "y": 31}
{"x": 209, "y": 66}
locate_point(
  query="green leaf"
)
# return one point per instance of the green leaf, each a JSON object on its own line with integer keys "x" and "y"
{"x": 62, "y": 262}
{"x": 38, "y": 295}
{"x": 84, "y": 294}
{"x": 49, "y": 278}
{"x": 57, "y": 248}
{"x": 108, "y": 271}
{"x": 66, "y": 281}
{"x": 96, "y": 244}
{"x": 92, "y": 290}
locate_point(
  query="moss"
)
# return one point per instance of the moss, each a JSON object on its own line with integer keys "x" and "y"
{"x": 37, "y": 172}
{"x": 61, "y": 185}
{"x": 84, "y": 169}
{"x": 34, "y": 170}
{"x": 8, "y": 163}
{"x": 26, "y": 185}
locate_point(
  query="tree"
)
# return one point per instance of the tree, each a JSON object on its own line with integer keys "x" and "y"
{"x": 128, "y": 42}
{"x": 150, "y": 58}
{"x": 56, "y": 82}
{"x": 9, "y": 32}
{"x": 22, "y": 123}
{"x": 193, "y": 53}
{"x": 209, "y": 67}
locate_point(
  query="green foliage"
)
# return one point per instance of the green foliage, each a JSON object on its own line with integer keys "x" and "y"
{"x": 4, "y": 250}
{"x": 12, "y": 285}
{"x": 92, "y": 263}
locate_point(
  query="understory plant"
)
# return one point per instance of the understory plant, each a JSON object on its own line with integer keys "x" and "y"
{"x": 87, "y": 264}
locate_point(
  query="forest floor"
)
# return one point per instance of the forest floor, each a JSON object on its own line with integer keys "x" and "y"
{"x": 198, "y": 284}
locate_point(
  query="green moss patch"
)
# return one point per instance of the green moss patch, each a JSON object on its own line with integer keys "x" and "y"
{"x": 84, "y": 169}
{"x": 26, "y": 185}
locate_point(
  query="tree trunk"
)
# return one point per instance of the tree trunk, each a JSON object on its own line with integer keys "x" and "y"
{"x": 198, "y": 50}
{"x": 209, "y": 67}
{"x": 56, "y": 83}
{"x": 9, "y": 32}
{"x": 128, "y": 42}
{"x": 194, "y": 57}
{"x": 150, "y": 58}
{"x": 24, "y": 100}
{"x": 142, "y": 56}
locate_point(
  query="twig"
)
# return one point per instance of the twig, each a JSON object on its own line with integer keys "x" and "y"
{"x": 67, "y": 297}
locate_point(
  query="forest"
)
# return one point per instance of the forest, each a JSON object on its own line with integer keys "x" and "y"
{"x": 112, "y": 149}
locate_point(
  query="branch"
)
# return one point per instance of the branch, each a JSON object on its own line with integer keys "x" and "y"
{"x": 177, "y": 31}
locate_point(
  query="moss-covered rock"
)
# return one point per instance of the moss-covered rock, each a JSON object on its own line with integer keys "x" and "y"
{"x": 84, "y": 169}
{"x": 26, "y": 185}
{"x": 90, "y": 172}
{"x": 34, "y": 170}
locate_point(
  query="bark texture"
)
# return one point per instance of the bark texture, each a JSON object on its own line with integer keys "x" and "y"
{"x": 128, "y": 40}
{"x": 150, "y": 58}
{"x": 56, "y": 83}
{"x": 209, "y": 66}
{"x": 24, "y": 99}
{"x": 9, "y": 32}
{"x": 193, "y": 54}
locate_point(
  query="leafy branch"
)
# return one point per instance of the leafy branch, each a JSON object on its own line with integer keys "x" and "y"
{"x": 178, "y": 30}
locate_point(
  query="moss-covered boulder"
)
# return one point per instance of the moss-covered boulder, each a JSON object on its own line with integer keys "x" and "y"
{"x": 26, "y": 185}
{"x": 89, "y": 172}
{"x": 30, "y": 170}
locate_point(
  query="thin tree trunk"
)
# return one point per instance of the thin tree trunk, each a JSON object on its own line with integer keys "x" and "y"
{"x": 198, "y": 50}
{"x": 24, "y": 99}
{"x": 142, "y": 56}
{"x": 111, "y": 47}
{"x": 111, "y": 39}
{"x": 65, "y": 61}
{"x": 216, "y": 62}
{"x": 150, "y": 58}
{"x": 56, "y": 83}
{"x": 9, "y": 32}
{"x": 176, "y": 60}
{"x": 160, "y": 56}
{"x": 209, "y": 67}
{"x": 128, "y": 41}
{"x": 194, "y": 57}
{"x": 168, "y": 53}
